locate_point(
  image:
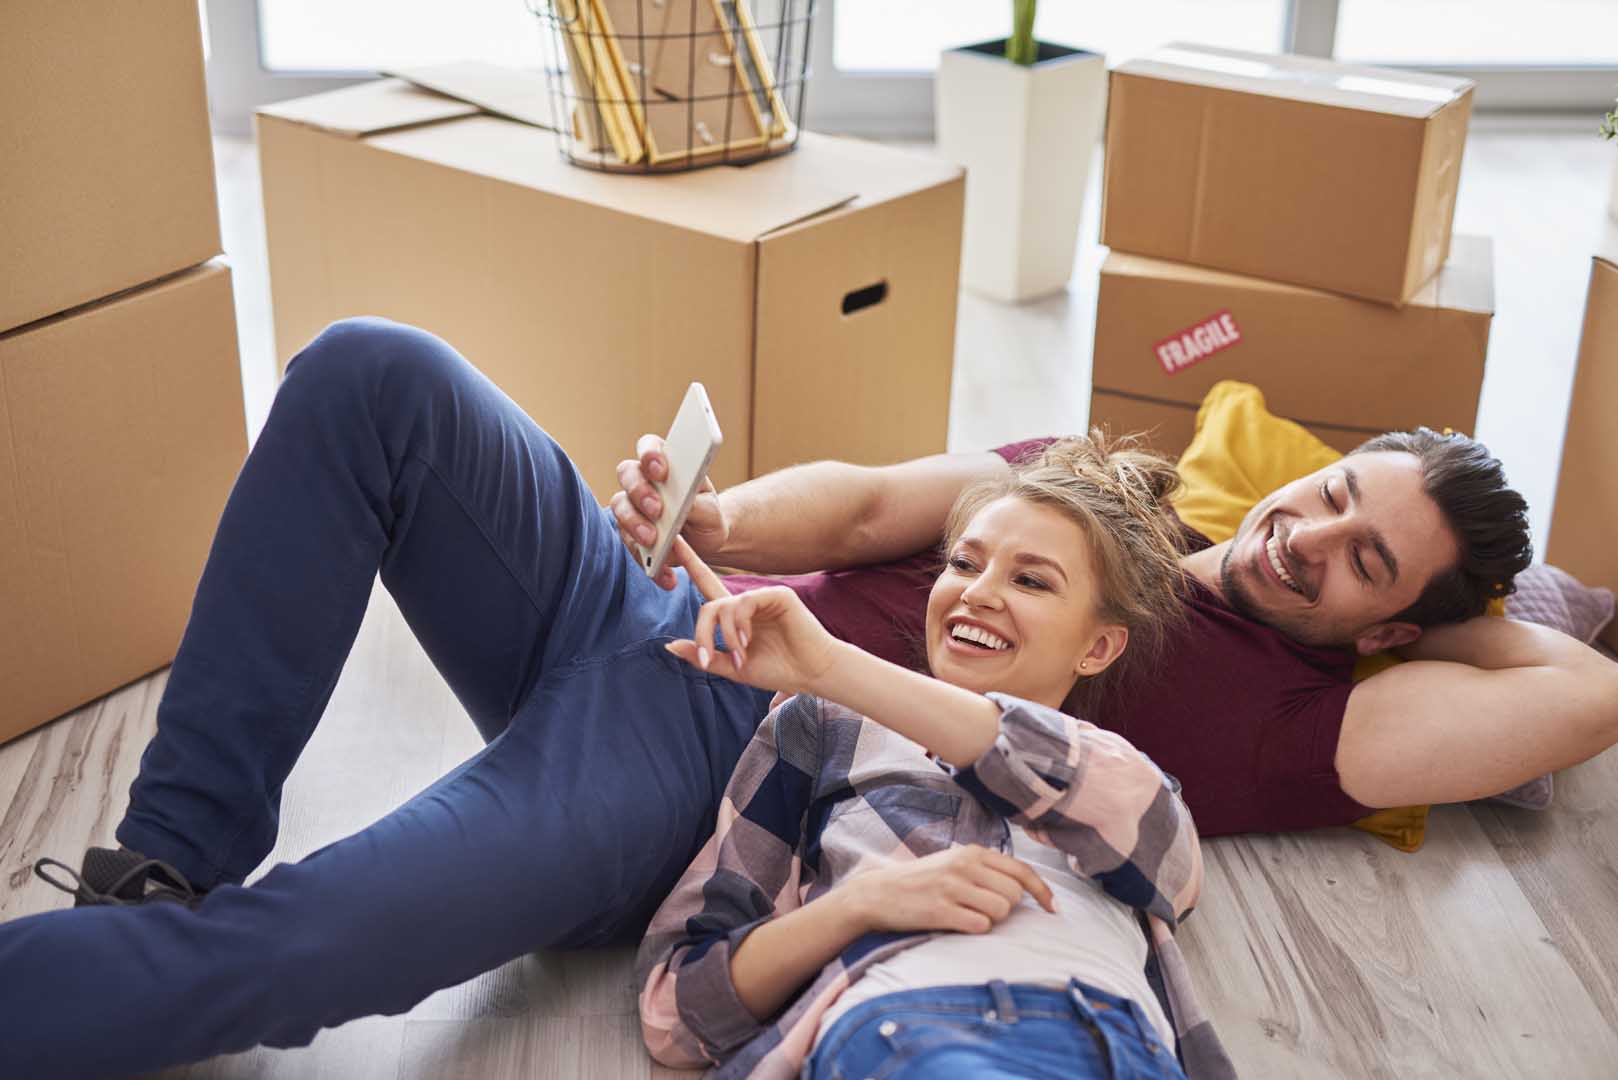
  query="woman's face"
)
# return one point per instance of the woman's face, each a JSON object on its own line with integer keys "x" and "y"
{"x": 1014, "y": 608}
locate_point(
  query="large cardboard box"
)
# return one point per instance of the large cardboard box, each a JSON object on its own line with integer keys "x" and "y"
{"x": 1583, "y": 538}
{"x": 106, "y": 164}
{"x": 1346, "y": 369}
{"x": 813, "y": 294}
{"x": 1285, "y": 167}
{"x": 124, "y": 433}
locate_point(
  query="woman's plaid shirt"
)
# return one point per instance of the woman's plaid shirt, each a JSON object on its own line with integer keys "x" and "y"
{"x": 821, "y": 793}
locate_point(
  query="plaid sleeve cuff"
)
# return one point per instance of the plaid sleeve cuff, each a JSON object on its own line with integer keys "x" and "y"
{"x": 707, "y": 997}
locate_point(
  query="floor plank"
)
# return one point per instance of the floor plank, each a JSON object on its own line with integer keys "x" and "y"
{"x": 1355, "y": 960}
{"x": 1566, "y": 863}
{"x": 372, "y": 1047}
{"x": 66, "y": 785}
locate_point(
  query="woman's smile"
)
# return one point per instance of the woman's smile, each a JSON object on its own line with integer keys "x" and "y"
{"x": 971, "y": 639}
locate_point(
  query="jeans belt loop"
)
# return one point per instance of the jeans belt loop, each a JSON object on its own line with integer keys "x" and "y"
{"x": 1005, "y": 1009}
{"x": 1075, "y": 994}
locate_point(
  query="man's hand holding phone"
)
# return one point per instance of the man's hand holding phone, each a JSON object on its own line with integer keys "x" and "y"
{"x": 645, "y": 489}
{"x": 637, "y": 506}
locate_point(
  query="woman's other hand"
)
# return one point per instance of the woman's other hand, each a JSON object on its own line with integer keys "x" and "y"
{"x": 968, "y": 889}
{"x": 774, "y": 642}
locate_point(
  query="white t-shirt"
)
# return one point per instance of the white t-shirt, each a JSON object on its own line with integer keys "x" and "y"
{"x": 1091, "y": 937}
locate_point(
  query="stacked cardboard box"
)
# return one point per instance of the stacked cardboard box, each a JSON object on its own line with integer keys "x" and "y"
{"x": 1584, "y": 518}
{"x": 813, "y": 294}
{"x": 120, "y": 390}
{"x": 1285, "y": 221}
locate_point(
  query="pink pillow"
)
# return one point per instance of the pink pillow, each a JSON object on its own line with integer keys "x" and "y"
{"x": 1552, "y": 597}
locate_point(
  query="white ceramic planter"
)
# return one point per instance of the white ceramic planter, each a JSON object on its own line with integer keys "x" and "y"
{"x": 1612, "y": 202}
{"x": 1025, "y": 136}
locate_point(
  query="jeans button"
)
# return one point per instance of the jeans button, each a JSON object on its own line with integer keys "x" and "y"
{"x": 990, "y": 1014}
{"x": 887, "y": 1028}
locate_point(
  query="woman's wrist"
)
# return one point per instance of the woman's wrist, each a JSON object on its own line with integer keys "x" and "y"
{"x": 855, "y": 914}
{"x": 840, "y": 674}
{"x": 784, "y": 954}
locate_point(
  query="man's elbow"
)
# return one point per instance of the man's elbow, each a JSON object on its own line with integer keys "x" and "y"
{"x": 1603, "y": 673}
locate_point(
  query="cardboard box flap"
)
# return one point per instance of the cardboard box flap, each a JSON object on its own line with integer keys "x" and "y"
{"x": 1302, "y": 78}
{"x": 1466, "y": 280}
{"x": 1464, "y": 283}
{"x": 737, "y": 203}
{"x": 1125, "y": 264}
{"x": 508, "y": 92}
{"x": 877, "y": 172}
{"x": 370, "y": 108}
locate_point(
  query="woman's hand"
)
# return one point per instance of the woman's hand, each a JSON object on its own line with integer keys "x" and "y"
{"x": 968, "y": 889}
{"x": 774, "y": 642}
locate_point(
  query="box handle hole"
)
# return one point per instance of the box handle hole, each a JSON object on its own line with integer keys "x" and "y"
{"x": 860, "y": 299}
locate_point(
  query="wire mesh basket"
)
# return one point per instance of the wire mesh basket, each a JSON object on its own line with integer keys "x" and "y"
{"x": 671, "y": 85}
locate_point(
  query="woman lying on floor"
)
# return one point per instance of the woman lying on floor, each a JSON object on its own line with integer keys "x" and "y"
{"x": 860, "y": 910}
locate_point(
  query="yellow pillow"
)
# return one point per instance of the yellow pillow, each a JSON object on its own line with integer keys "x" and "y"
{"x": 1241, "y": 453}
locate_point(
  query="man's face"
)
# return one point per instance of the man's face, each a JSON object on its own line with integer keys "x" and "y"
{"x": 1331, "y": 558}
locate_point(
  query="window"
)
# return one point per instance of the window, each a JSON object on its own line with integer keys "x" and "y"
{"x": 907, "y": 35}
{"x": 873, "y": 60}
{"x": 374, "y": 35}
{"x": 1478, "y": 33}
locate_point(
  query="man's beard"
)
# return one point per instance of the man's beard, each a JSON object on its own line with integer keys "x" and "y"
{"x": 1242, "y": 603}
{"x": 1236, "y": 594}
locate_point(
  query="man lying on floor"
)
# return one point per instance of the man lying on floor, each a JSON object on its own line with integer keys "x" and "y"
{"x": 1398, "y": 546}
{"x": 385, "y": 451}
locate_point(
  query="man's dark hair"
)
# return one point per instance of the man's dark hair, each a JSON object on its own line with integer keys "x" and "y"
{"x": 1489, "y": 520}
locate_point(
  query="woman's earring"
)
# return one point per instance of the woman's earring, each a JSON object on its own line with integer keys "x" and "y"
{"x": 1083, "y": 664}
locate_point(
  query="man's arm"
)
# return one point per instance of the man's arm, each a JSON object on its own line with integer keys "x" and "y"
{"x": 830, "y": 515}
{"x": 1481, "y": 707}
{"x": 823, "y": 516}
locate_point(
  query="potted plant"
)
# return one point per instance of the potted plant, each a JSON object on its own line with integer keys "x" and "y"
{"x": 1609, "y": 130}
{"x": 1023, "y": 116}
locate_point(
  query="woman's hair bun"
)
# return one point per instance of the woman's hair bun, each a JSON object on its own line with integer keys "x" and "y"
{"x": 1122, "y": 462}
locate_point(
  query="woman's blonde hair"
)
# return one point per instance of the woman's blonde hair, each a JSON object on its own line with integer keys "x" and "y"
{"x": 1118, "y": 493}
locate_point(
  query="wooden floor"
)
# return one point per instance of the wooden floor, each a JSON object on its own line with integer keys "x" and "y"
{"x": 1492, "y": 952}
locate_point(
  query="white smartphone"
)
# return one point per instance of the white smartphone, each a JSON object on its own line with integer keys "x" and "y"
{"x": 690, "y": 447}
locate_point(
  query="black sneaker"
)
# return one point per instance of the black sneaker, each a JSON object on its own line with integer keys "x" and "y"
{"x": 120, "y": 876}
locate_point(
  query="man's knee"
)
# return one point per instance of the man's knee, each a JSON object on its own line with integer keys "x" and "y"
{"x": 374, "y": 365}
{"x": 359, "y": 347}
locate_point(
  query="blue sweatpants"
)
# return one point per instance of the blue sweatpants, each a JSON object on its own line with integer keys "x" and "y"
{"x": 385, "y": 450}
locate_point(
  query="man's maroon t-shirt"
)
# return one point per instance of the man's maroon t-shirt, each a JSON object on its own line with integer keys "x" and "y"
{"x": 1243, "y": 716}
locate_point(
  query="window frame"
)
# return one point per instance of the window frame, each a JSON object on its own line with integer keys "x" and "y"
{"x": 890, "y": 104}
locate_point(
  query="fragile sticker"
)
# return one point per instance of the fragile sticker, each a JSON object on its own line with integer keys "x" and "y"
{"x": 1196, "y": 343}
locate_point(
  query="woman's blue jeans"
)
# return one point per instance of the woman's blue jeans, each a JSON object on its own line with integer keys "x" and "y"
{"x": 994, "y": 1032}
{"x": 386, "y": 451}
